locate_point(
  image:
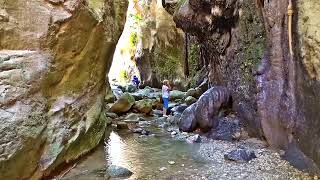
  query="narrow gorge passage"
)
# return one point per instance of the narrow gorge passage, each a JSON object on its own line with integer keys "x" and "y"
{"x": 159, "y": 89}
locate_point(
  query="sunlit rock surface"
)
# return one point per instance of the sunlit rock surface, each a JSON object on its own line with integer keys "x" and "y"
{"x": 54, "y": 56}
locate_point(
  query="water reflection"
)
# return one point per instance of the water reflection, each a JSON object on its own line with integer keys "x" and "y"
{"x": 144, "y": 156}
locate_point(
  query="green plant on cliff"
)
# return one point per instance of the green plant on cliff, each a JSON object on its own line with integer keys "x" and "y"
{"x": 252, "y": 40}
{"x": 168, "y": 62}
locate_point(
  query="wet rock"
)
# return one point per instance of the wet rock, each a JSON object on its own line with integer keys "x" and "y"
{"x": 123, "y": 104}
{"x": 111, "y": 115}
{"x": 194, "y": 139}
{"x": 174, "y": 120}
{"x": 175, "y": 94}
{"x": 143, "y": 106}
{"x": 157, "y": 112}
{"x": 144, "y": 123}
{"x": 137, "y": 130}
{"x": 130, "y": 88}
{"x": 190, "y": 100}
{"x": 122, "y": 125}
{"x": 162, "y": 168}
{"x": 187, "y": 120}
{"x": 240, "y": 155}
{"x": 132, "y": 118}
{"x": 118, "y": 171}
{"x": 179, "y": 108}
{"x": 161, "y": 120}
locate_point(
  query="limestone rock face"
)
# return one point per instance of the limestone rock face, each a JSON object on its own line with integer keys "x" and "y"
{"x": 159, "y": 53}
{"x": 54, "y": 56}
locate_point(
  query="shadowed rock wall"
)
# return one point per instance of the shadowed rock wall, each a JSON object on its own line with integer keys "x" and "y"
{"x": 246, "y": 47}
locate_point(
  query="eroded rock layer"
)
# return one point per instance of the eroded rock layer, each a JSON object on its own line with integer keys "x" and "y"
{"x": 54, "y": 56}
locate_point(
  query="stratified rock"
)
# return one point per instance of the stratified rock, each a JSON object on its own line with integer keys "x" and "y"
{"x": 205, "y": 112}
{"x": 123, "y": 104}
{"x": 190, "y": 100}
{"x": 118, "y": 171}
{"x": 143, "y": 106}
{"x": 52, "y": 81}
{"x": 240, "y": 155}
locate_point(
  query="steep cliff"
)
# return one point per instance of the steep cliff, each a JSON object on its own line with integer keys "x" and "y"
{"x": 160, "y": 45}
{"x": 246, "y": 48}
{"x": 54, "y": 56}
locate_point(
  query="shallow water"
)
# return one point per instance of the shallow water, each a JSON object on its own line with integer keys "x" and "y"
{"x": 144, "y": 156}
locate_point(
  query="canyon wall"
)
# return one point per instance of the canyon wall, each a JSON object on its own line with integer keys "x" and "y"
{"x": 246, "y": 48}
{"x": 54, "y": 56}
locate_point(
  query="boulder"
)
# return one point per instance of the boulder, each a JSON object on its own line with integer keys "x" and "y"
{"x": 190, "y": 100}
{"x": 240, "y": 155}
{"x": 175, "y": 94}
{"x": 132, "y": 118}
{"x": 130, "y": 88}
{"x": 205, "y": 112}
{"x": 118, "y": 172}
{"x": 143, "y": 106}
{"x": 193, "y": 92}
{"x": 123, "y": 104}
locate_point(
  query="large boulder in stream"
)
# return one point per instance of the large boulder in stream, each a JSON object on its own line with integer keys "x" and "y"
{"x": 204, "y": 113}
{"x": 54, "y": 57}
{"x": 143, "y": 106}
{"x": 123, "y": 104}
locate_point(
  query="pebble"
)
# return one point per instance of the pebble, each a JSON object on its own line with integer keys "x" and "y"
{"x": 162, "y": 168}
{"x": 171, "y": 162}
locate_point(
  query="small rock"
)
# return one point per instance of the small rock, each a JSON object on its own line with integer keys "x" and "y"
{"x": 162, "y": 168}
{"x": 171, "y": 162}
{"x": 122, "y": 125}
{"x": 240, "y": 155}
{"x": 111, "y": 115}
{"x": 194, "y": 139}
{"x": 137, "y": 130}
{"x": 182, "y": 165}
{"x": 173, "y": 133}
{"x": 118, "y": 171}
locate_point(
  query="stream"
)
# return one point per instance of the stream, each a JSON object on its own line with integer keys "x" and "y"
{"x": 161, "y": 156}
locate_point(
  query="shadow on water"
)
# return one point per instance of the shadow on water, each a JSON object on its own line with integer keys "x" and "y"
{"x": 144, "y": 156}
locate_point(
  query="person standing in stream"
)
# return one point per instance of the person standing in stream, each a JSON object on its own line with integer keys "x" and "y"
{"x": 165, "y": 96}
